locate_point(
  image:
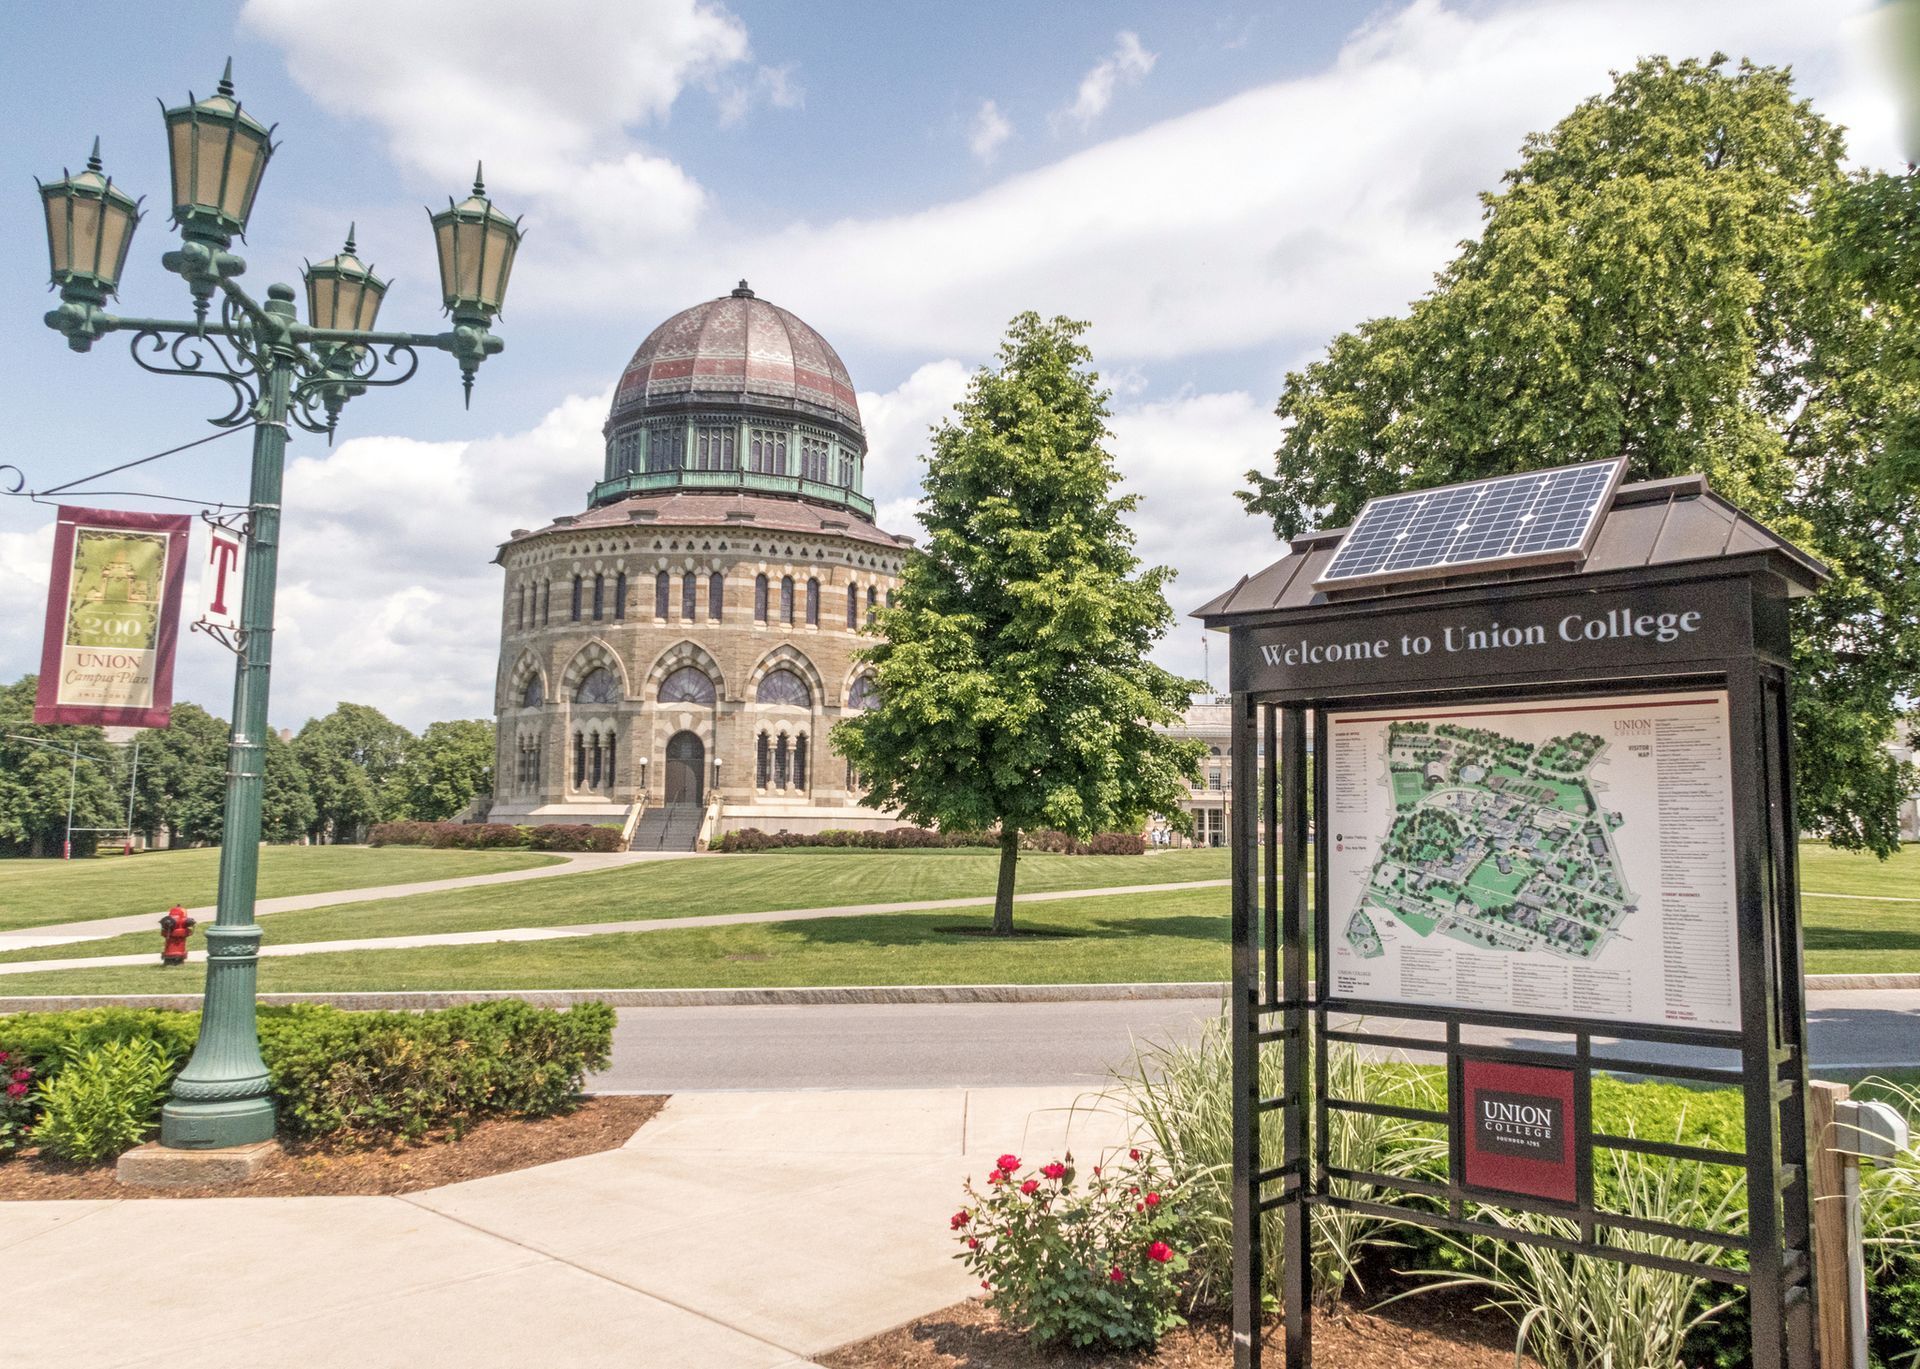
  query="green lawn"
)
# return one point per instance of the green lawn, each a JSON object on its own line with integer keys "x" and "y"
{"x": 34, "y": 893}
{"x": 1120, "y": 938}
{"x": 698, "y": 888}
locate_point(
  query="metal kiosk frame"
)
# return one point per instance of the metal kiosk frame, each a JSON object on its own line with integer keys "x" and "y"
{"x": 1668, "y": 546}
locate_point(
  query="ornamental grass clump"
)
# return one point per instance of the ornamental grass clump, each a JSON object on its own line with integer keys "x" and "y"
{"x": 1093, "y": 1267}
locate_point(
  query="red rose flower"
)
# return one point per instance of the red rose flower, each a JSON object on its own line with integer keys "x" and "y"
{"x": 1029, "y": 1186}
{"x": 1008, "y": 1162}
{"x": 994, "y": 1176}
{"x": 1153, "y": 1200}
{"x": 973, "y": 1242}
{"x": 1096, "y": 1171}
{"x": 1055, "y": 1170}
{"x": 15, "y": 1089}
{"x": 1159, "y": 1252}
{"x": 22, "y": 1075}
{"x": 984, "y": 1284}
{"x": 1133, "y": 1155}
{"x": 1117, "y": 1274}
{"x": 959, "y": 1219}
{"x": 1139, "y": 1207}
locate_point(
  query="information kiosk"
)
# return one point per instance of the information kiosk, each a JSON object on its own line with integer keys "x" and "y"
{"x": 1512, "y": 778}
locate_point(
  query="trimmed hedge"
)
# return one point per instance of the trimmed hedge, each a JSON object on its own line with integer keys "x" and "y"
{"x": 492, "y": 836}
{"x": 748, "y": 839}
{"x": 365, "y": 1076}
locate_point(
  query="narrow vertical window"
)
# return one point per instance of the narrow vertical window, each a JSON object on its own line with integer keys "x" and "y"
{"x": 716, "y": 594}
{"x": 689, "y": 596}
{"x": 759, "y": 598}
{"x": 661, "y": 582}
{"x": 800, "y": 762}
{"x": 596, "y": 761}
{"x": 873, "y": 602}
{"x": 579, "y": 759}
{"x": 781, "y": 759}
{"x": 853, "y": 606}
{"x": 520, "y": 608}
{"x": 546, "y": 603}
{"x": 576, "y": 598}
{"x": 760, "y": 762}
{"x": 786, "y": 599}
{"x": 620, "y": 596}
{"x": 813, "y": 601}
{"x": 599, "y": 597}
{"x": 609, "y": 762}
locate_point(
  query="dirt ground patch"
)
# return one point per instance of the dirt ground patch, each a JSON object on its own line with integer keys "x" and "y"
{"x": 498, "y": 1146}
{"x": 1444, "y": 1331}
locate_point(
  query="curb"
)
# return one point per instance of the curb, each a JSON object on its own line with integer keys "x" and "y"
{"x": 659, "y": 998}
{"x": 750, "y": 998}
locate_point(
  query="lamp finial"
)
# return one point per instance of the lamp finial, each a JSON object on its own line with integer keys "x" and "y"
{"x": 226, "y": 79}
{"x": 93, "y": 158}
{"x": 479, "y": 184}
{"x": 349, "y": 250}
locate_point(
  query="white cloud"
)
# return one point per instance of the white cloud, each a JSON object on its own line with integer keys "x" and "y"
{"x": 990, "y": 128}
{"x": 546, "y": 93}
{"x": 775, "y": 85}
{"x": 1129, "y": 63}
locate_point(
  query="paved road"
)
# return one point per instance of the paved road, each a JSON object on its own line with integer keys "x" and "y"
{"x": 987, "y": 1045}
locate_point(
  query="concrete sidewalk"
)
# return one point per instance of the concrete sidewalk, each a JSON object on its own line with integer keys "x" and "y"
{"x": 737, "y": 1231}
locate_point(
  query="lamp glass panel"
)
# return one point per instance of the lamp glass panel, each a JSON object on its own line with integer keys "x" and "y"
{"x": 243, "y": 175}
{"x": 210, "y": 156}
{"x": 499, "y": 265}
{"x": 87, "y": 214}
{"x": 116, "y": 228}
{"x": 469, "y": 240}
{"x": 180, "y": 151}
{"x": 443, "y": 244}
{"x": 370, "y": 305}
{"x": 57, "y": 256}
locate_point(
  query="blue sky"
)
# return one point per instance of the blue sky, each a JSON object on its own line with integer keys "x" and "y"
{"x": 1219, "y": 188}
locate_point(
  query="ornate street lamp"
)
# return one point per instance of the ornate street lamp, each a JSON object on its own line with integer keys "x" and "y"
{"x": 279, "y": 371}
{"x": 90, "y": 223}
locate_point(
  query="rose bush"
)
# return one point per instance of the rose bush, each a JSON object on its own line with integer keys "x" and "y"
{"x": 16, "y": 1104}
{"x": 1094, "y": 1267}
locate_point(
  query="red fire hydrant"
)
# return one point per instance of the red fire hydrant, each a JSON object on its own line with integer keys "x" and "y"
{"x": 174, "y": 927}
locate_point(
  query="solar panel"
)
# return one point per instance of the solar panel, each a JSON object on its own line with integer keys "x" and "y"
{"x": 1534, "y": 518}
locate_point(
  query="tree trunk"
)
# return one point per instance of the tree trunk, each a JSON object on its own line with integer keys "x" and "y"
{"x": 1003, "y": 895}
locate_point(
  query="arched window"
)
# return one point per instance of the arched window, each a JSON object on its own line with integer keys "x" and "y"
{"x": 813, "y": 602}
{"x": 783, "y": 687}
{"x": 759, "y": 598}
{"x": 864, "y": 694}
{"x": 716, "y": 595}
{"x": 579, "y": 759}
{"x": 520, "y": 609}
{"x": 846, "y": 469}
{"x": 687, "y": 685}
{"x": 597, "y": 687}
{"x": 800, "y": 762}
{"x": 610, "y": 750}
{"x": 576, "y": 598}
{"x": 546, "y": 603}
{"x": 662, "y": 586}
{"x": 873, "y": 602}
{"x": 689, "y": 597}
{"x": 786, "y": 599}
{"x": 853, "y": 606}
{"x": 781, "y": 761}
{"x": 620, "y": 595}
{"x": 599, "y": 596}
{"x": 534, "y": 694}
{"x": 594, "y": 766}
{"x": 760, "y": 762}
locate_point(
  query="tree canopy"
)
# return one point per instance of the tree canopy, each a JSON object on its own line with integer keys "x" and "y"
{"x": 1680, "y": 271}
{"x": 35, "y": 779}
{"x": 442, "y": 771}
{"x": 1014, "y": 685}
{"x": 349, "y": 757}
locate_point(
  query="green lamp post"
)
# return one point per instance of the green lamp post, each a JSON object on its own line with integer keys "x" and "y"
{"x": 278, "y": 370}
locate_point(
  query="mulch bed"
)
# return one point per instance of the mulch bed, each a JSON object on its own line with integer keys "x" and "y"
{"x": 493, "y": 1147}
{"x": 1437, "y": 1331}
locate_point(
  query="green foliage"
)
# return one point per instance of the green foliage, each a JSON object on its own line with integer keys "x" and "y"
{"x": 343, "y": 1076}
{"x": 349, "y": 756}
{"x": 1014, "y": 685}
{"x": 104, "y": 1100}
{"x": 925, "y": 838}
{"x": 442, "y": 770}
{"x": 1093, "y": 1267}
{"x": 34, "y": 781}
{"x": 181, "y": 783}
{"x": 287, "y": 809}
{"x": 17, "y": 1078}
{"x": 1679, "y": 272}
{"x": 466, "y": 836}
{"x": 574, "y": 836}
{"x": 1890, "y": 1223}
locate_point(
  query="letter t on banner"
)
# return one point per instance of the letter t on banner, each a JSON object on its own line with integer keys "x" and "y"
{"x": 222, "y": 571}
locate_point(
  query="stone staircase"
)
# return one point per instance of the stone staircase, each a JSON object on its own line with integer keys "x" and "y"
{"x": 670, "y": 827}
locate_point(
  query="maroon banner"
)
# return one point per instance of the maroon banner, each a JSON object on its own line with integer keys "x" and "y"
{"x": 113, "y": 618}
{"x": 1519, "y": 1129}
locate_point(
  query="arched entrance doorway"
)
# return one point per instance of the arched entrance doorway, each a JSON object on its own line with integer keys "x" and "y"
{"x": 686, "y": 768}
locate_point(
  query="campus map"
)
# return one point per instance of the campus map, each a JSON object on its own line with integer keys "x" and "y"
{"x": 1569, "y": 860}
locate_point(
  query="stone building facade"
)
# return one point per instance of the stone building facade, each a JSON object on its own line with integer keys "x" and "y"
{"x": 689, "y": 637}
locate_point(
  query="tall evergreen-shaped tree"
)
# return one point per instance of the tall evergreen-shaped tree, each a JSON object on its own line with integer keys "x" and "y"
{"x": 1012, "y": 667}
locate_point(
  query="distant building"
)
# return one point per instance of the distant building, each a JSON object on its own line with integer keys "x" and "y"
{"x": 1208, "y": 719}
{"x": 1908, "y": 752}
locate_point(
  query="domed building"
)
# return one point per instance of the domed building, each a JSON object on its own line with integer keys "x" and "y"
{"x": 688, "y": 639}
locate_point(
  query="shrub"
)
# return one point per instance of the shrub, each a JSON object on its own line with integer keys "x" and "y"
{"x": 360, "y": 1076}
{"x": 573, "y": 836}
{"x": 16, "y": 1104}
{"x": 105, "y": 1100}
{"x": 748, "y": 839}
{"x": 465, "y": 836}
{"x": 1093, "y": 1267}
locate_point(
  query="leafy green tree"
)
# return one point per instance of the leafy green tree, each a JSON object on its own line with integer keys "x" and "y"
{"x": 287, "y": 809}
{"x": 446, "y": 767}
{"x": 1679, "y": 271}
{"x": 1012, "y": 668}
{"x": 181, "y": 779}
{"x": 348, "y": 757}
{"x": 35, "y": 781}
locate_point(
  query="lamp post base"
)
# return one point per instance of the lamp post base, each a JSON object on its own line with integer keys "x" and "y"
{"x": 200, "y": 1125}
{"x": 155, "y": 1166}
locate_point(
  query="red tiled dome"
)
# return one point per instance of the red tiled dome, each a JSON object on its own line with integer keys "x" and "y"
{"x": 742, "y": 349}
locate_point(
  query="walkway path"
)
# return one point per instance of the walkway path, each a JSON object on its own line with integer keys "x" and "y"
{"x": 570, "y": 863}
{"x": 736, "y": 1231}
{"x": 656, "y": 924}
